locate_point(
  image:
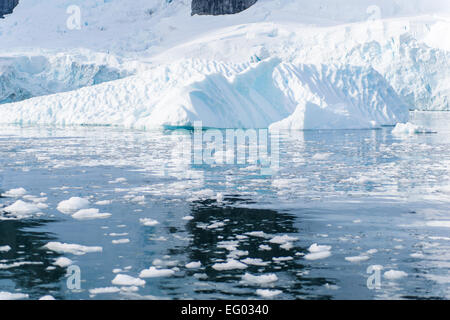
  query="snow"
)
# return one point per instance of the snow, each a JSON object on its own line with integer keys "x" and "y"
{"x": 90, "y": 214}
{"x": 22, "y": 209}
{"x": 229, "y": 265}
{"x": 12, "y": 296}
{"x": 395, "y": 274}
{"x": 63, "y": 262}
{"x": 15, "y": 193}
{"x": 75, "y": 249}
{"x": 72, "y": 205}
{"x": 153, "y": 272}
{"x": 289, "y": 64}
{"x": 126, "y": 280}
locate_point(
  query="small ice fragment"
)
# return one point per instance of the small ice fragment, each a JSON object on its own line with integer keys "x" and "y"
{"x": 75, "y": 249}
{"x": 395, "y": 274}
{"x": 194, "y": 265}
{"x": 15, "y": 193}
{"x": 153, "y": 272}
{"x": 63, "y": 262}
{"x": 148, "y": 222}
{"x": 259, "y": 280}
{"x": 90, "y": 214}
{"x": 229, "y": 265}
{"x": 266, "y": 293}
{"x": 120, "y": 241}
{"x": 126, "y": 280}
{"x": 72, "y": 205}
{"x": 5, "y": 248}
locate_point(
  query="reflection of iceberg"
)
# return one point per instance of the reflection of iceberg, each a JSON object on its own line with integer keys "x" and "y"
{"x": 434, "y": 120}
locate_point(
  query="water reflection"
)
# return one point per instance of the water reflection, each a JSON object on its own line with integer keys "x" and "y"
{"x": 25, "y": 265}
{"x": 240, "y": 225}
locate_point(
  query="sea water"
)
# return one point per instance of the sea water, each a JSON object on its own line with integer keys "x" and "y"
{"x": 359, "y": 214}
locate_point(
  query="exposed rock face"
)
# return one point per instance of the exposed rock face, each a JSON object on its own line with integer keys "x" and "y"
{"x": 7, "y": 6}
{"x": 219, "y": 7}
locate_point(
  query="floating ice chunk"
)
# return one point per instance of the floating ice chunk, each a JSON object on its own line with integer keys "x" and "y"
{"x": 219, "y": 197}
{"x": 417, "y": 255}
{"x": 318, "y": 252}
{"x": 229, "y": 265}
{"x": 138, "y": 199}
{"x": 266, "y": 293}
{"x": 216, "y": 225}
{"x": 194, "y": 265}
{"x": 187, "y": 218}
{"x": 282, "y": 259}
{"x": 12, "y": 296}
{"x": 72, "y": 205}
{"x": 258, "y": 234}
{"x": 104, "y": 290}
{"x": 153, "y": 272}
{"x": 318, "y": 255}
{"x": 126, "y": 280}
{"x": 248, "y": 278}
{"x": 255, "y": 262}
{"x": 63, "y": 262}
{"x": 118, "y": 180}
{"x": 148, "y": 222}
{"x": 120, "y": 241}
{"x": 113, "y": 234}
{"x": 439, "y": 224}
{"x": 264, "y": 247}
{"x": 282, "y": 239}
{"x": 75, "y": 249}
{"x": 47, "y": 297}
{"x": 5, "y": 248}
{"x": 402, "y": 129}
{"x": 90, "y": 214}
{"x": 318, "y": 248}
{"x": 395, "y": 274}
{"x": 15, "y": 193}
{"x": 22, "y": 209}
{"x": 103, "y": 202}
{"x": 357, "y": 258}
{"x": 321, "y": 156}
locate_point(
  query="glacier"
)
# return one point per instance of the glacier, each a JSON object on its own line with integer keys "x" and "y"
{"x": 280, "y": 64}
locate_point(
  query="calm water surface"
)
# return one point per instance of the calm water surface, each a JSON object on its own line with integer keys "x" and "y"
{"x": 371, "y": 197}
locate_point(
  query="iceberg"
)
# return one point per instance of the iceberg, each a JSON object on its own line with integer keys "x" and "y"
{"x": 279, "y": 64}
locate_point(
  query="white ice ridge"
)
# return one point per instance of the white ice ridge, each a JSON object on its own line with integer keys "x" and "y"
{"x": 271, "y": 92}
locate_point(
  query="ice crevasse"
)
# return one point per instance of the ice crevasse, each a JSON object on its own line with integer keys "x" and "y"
{"x": 269, "y": 93}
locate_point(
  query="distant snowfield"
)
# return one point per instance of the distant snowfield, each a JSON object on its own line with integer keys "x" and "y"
{"x": 280, "y": 64}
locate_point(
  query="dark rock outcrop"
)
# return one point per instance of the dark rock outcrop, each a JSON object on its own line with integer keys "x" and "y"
{"x": 7, "y": 6}
{"x": 219, "y": 7}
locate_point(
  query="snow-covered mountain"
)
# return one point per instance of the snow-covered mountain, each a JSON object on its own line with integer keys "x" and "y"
{"x": 281, "y": 63}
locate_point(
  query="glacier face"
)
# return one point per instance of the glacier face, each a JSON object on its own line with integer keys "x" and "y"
{"x": 279, "y": 64}
{"x": 223, "y": 96}
{"x": 24, "y": 76}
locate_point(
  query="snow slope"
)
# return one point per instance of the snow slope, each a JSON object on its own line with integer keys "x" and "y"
{"x": 281, "y": 63}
